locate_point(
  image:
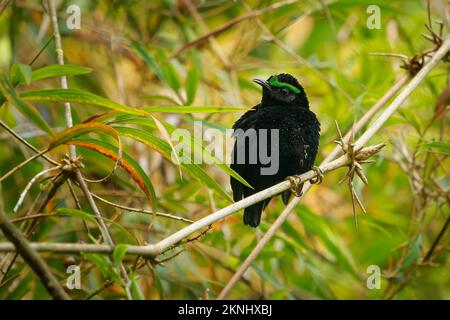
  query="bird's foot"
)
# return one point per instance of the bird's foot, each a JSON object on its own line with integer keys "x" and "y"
{"x": 319, "y": 178}
{"x": 296, "y": 185}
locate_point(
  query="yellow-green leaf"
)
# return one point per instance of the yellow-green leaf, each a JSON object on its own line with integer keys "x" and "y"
{"x": 56, "y": 70}
{"x": 78, "y": 96}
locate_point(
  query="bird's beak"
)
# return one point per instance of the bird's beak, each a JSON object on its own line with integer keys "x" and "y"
{"x": 263, "y": 83}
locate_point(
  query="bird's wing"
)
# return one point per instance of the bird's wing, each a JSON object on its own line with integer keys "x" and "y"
{"x": 247, "y": 120}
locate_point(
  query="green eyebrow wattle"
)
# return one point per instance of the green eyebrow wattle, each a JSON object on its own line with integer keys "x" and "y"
{"x": 273, "y": 81}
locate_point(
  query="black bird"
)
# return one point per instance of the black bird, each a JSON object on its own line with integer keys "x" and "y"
{"x": 284, "y": 106}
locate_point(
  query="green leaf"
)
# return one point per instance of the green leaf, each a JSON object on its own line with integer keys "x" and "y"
{"x": 83, "y": 128}
{"x": 78, "y": 96}
{"x": 103, "y": 264}
{"x": 56, "y": 70}
{"x": 164, "y": 148}
{"x": 76, "y": 214}
{"x": 162, "y": 129}
{"x": 25, "y": 108}
{"x": 208, "y": 156}
{"x": 413, "y": 255}
{"x": 411, "y": 118}
{"x": 169, "y": 72}
{"x": 119, "y": 253}
{"x": 444, "y": 147}
{"x": 191, "y": 85}
{"x": 20, "y": 73}
{"x": 317, "y": 226}
{"x": 135, "y": 289}
{"x": 131, "y": 166}
{"x": 148, "y": 59}
{"x": 159, "y": 98}
{"x": 193, "y": 109}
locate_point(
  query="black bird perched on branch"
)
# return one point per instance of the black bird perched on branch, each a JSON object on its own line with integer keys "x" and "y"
{"x": 276, "y": 139}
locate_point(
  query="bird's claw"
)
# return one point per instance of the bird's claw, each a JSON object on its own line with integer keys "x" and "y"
{"x": 296, "y": 185}
{"x": 319, "y": 178}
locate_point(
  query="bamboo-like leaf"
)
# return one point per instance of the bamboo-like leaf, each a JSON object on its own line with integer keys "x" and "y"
{"x": 207, "y": 155}
{"x": 78, "y": 96}
{"x": 20, "y": 73}
{"x": 75, "y": 213}
{"x": 164, "y": 148}
{"x": 127, "y": 163}
{"x": 135, "y": 289}
{"x": 83, "y": 128}
{"x": 442, "y": 147}
{"x": 25, "y": 108}
{"x": 317, "y": 226}
{"x": 170, "y": 75}
{"x": 56, "y": 70}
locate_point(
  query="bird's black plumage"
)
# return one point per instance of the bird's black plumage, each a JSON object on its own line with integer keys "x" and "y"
{"x": 284, "y": 106}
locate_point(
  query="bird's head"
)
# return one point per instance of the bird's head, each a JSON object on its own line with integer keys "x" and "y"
{"x": 282, "y": 89}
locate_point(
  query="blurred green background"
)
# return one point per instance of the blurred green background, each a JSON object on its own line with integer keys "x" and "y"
{"x": 145, "y": 53}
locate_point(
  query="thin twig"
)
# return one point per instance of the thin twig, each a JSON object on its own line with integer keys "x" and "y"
{"x": 35, "y": 262}
{"x": 30, "y": 184}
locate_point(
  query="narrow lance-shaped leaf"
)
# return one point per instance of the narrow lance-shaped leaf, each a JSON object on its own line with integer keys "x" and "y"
{"x": 149, "y": 123}
{"x": 119, "y": 253}
{"x": 56, "y": 70}
{"x": 127, "y": 163}
{"x": 78, "y": 96}
{"x": 191, "y": 85}
{"x": 83, "y": 128}
{"x": 75, "y": 213}
{"x": 20, "y": 73}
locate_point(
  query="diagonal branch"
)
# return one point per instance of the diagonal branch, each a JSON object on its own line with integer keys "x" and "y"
{"x": 173, "y": 240}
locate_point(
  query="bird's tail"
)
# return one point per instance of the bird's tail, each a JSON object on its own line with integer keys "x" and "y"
{"x": 252, "y": 214}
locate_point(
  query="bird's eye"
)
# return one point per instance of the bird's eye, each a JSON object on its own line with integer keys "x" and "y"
{"x": 285, "y": 91}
